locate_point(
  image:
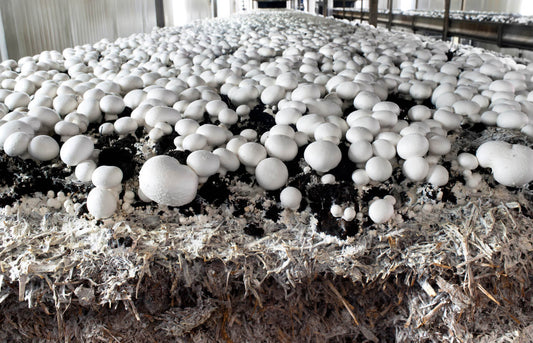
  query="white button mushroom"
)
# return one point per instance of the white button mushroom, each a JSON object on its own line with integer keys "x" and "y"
{"x": 380, "y": 211}
{"x": 229, "y": 162}
{"x": 11, "y": 127}
{"x": 336, "y": 211}
{"x": 415, "y": 168}
{"x": 282, "y": 147}
{"x": 108, "y": 177}
{"x": 164, "y": 180}
{"x": 76, "y": 149}
{"x": 101, "y": 203}
{"x": 438, "y": 175}
{"x": 349, "y": 214}
{"x": 204, "y": 164}
{"x": 412, "y": 145}
{"x": 322, "y": 156}
{"x": 43, "y": 148}
{"x": 125, "y": 125}
{"x": 250, "y": 154}
{"x": 290, "y": 197}
{"x": 271, "y": 173}
{"x": 378, "y": 169}
{"x": 467, "y": 161}
{"x": 16, "y": 143}
{"x": 84, "y": 170}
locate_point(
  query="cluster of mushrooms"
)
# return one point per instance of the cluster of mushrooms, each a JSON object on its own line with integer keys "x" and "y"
{"x": 496, "y": 17}
{"x": 307, "y": 70}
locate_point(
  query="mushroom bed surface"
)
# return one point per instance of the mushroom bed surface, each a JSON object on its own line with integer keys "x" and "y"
{"x": 279, "y": 112}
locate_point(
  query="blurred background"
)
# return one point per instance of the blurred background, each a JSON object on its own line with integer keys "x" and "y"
{"x": 28, "y": 27}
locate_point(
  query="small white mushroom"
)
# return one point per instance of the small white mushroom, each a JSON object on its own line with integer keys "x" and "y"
{"x": 43, "y": 148}
{"x": 360, "y": 177}
{"x": 349, "y": 214}
{"x": 229, "y": 162}
{"x": 378, "y": 169}
{"x": 164, "y": 180}
{"x": 125, "y": 125}
{"x": 204, "y": 163}
{"x": 271, "y": 173}
{"x": 215, "y": 135}
{"x": 365, "y": 100}
{"x": 84, "y": 170}
{"x": 322, "y": 156}
{"x": 106, "y": 129}
{"x": 290, "y": 197}
{"x": 282, "y": 147}
{"x": 327, "y": 179}
{"x": 412, "y": 145}
{"x": 360, "y": 151}
{"x": 415, "y": 168}
{"x": 101, "y": 203}
{"x": 250, "y": 154}
{"x": 108, "y": 177}
{"x": 467, "y": 161}
{"x": 336, "y": 211}
{"x": 17, "y": 143}
{"x": 66, "y": 129}
{"x": 380, "y": 211}
{"x": 76, "y": 149}
{"x": 438, "y": 175}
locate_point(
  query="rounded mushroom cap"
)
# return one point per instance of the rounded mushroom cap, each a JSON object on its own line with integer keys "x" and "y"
{"x": 17, "y": 143}
{"x": 360, "y": 151}
{"x": 164, "y": 180}
{"x": 204, "y": 163}
{"x": 228, "y": 160}
{"x": 11, "y": 127}
{"x": 76, "y": 149}
{"x": 322, "y": 156}
{"x": 84, "y": 170}
{"x": 290, "y": 197}
{"x": 412, "y": 145}
{"x": 107, "y": 177}
{"x": 416, "y": 168}
{"x": 282, "y": 147}
{"x": 366, "y": 100}
{"x": 438, "y": 175}
{"x": 125, "y": 125}
{"x": 378, "y": 169}
{"x": 43, "y": 148}
{"x": 271, "y": 173}
{"x": 250, "y": 154}
{"x": 101, "y": 203}
{"x": 112, "y": 104}
{"x": 380, "y": 211}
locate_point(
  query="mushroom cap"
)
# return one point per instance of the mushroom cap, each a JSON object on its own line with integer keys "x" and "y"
{"x": 412, "y": 145}
{"x": 76, "y": 149}
{"x": 271, "y": 173}
{"x": 17, "y": 143}
{"x": 290, "y": 197}
{"x": 380, "y": 211}
{"x": 101, "y": 203}
{"x": 204, "y": 163}
{"x": 164, "y": 180}
{"x": 107, "y": 177}
{"x": 378, "y": 169}
{"x": 416, "y": 168}
{"x": 43, "y": 148}
{"x": 282, "y": 147}
{"x": 251, "y": 153}
{"x": 322, "y": 156}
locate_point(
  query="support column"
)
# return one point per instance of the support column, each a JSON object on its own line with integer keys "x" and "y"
{"x": 373, "y": 13}
{"x": 389, "y": 24}
{"x": 3, "y": 44}
{"x": 159, "y": 13}
{"x": 446, "y": 23}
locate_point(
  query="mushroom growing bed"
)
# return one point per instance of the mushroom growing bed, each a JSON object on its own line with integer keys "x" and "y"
{"x": 211, "y": 181}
